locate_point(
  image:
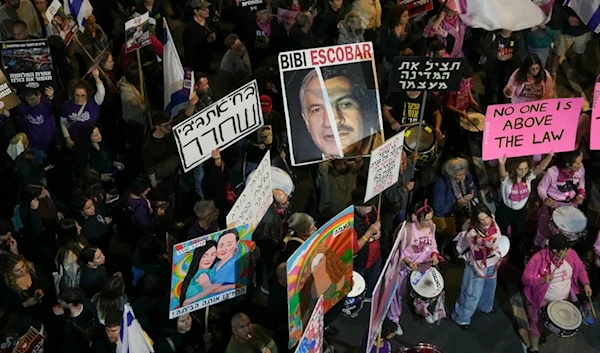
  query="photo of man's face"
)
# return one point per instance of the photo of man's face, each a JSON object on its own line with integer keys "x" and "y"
{"x": 346, "y": 111}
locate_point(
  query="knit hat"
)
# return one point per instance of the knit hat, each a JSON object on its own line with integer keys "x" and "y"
{"x": 266, "y": 104}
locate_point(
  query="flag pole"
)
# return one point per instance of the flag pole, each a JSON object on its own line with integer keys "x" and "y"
{"x": 206, "y": 320}
{"x": 139, "y": 62}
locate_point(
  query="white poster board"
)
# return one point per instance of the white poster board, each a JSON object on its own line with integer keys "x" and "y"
{"x": 137, "y": 32}
{"x": 219, "y": 125}
{"x": 384, "y": 167}
{"x": 254, "y": 202}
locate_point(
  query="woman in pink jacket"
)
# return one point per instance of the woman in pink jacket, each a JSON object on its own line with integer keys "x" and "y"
{"x": 530, "y": 82}
{"x": 418, "y": 246}
{"x": 562, "y": 185}
{"x": 547, "y": 278}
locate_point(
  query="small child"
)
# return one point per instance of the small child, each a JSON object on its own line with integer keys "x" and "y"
{"x": 388, "y": 331}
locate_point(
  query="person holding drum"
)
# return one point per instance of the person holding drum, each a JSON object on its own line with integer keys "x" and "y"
{"x": 550, "y": 276}
{"x": 418, "y": 247}
{"x": 516, "y": 175}
{"x": 479, "y": 247}
{"x": 562, "y": 185}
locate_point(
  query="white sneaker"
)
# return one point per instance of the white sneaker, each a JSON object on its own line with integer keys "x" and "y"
{"x": 399, "y": 331}
{"x": 429, "y": 319}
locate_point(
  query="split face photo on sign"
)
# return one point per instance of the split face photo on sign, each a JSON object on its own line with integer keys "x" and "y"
{"x": 332, "y": 112}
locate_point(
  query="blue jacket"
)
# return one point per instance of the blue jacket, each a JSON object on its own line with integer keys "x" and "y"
{"x": 443, "y": 195}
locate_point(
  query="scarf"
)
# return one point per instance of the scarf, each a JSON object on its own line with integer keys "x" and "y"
{"x": 265, "y": 27}
{"x": 459, "y": 188}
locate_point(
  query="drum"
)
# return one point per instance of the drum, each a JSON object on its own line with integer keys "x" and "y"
{"x": 421, "y": 348}
{"x": 280, "y": 179}
{"x": 427, "y": 285}
{"x": 503, "y": 244}
{"x": 569, "y": 221}
{"x": 355, "y": 299}
{"x": 562, "y": 318}
{"x": 473, "y": 128}
{"x": 427, "y": 148}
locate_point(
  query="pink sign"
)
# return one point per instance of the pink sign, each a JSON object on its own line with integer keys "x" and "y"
{"x": 524, "y": 129}
{"x": 595, "y": 128}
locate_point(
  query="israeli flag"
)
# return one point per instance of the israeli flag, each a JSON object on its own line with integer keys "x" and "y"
{"x": 588, "y": 11}
{"x": 176, "y": 98}
{"x": 79, "y": 9}
{"x": 132, "y": 338}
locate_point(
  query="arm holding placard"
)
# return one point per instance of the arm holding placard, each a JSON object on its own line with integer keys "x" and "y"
{"x": 511, "y": 86}
{"x": 539, "y": 169}
{"x": 548, "y": 86}
{"x": 100, "y": 91}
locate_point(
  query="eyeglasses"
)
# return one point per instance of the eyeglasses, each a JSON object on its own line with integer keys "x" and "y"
{"x": 80, "y": 95}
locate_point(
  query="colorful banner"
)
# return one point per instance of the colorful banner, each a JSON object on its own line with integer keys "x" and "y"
{"x": 210, "y": 269}
{"x": 312, "y": 339}
{"x": 417, "y": 73}
{"x": 137, "y": 32}
{"x": 385, "y": 290}
{"x": 28, "y": 64}
{"x": 332, "y": 105}
{"x": 322, "y": 265}
{"x": 384, "y": 166}
{"x": 63, "y": 24}
{"x": 286, "y": 18}
{"x": 595, "y": 128}
{"x": 220, "y": 125}
{"x": 257, "y": 197}
{"x": 524, "y": 129}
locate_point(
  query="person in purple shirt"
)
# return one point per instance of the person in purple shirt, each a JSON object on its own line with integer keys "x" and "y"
{"x": 81, "y": 109}
{"x": 139, "y": 205}
{"x": 388, "y": 331}
{"x": 37, "y": 122}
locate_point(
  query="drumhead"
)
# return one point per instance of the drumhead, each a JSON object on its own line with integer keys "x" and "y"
{"x": 358, "y": 285}
{"x": 428, "y": 138}
{"x": 569, "y": 219}
{"x": 503, "y": 243}
{"x": 422, "y": 348}
{"x": 476, "y": 123}
{"x": 428, "y": 284}
{"x": 280, "y": 179}
{"x": 564, "y": 315}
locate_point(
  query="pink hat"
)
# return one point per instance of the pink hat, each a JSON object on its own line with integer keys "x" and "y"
{"x": 450, "y": 4}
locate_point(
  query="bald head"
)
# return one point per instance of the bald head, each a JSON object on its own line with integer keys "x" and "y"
{"x": 280, "y": 198}
{"x": 241, "y": 327}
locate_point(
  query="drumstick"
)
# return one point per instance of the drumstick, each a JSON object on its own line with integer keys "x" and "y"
{"x": 559, "y": 261}
{"x": 592, "y": 305}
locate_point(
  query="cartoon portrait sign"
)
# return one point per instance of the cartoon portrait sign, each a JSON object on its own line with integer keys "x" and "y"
{"x": 385, "y": 289}
{"x": 322, "y": 265}
{"x": 210, "y": 269}
{"x": 312, "y": 339}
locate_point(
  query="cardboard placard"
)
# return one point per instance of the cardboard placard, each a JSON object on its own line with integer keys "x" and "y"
{"x": 595, "y": 119}
{"x": 384, "y": 166}
{"x": 419, "y": 73}
{"x": 63, "y": 24}
{"x": 27, "y": 64}
{"x": 137, "y": 32}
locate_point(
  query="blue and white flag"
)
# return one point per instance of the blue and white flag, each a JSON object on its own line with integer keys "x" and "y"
{"x": 588, "y": 11}
{"x": 176, "y": 98}
{"x": 132, "y": 338}
{"x": 80, "y": 10}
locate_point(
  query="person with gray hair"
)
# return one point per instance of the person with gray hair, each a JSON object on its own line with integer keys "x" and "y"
{"x": 300, "y": 227}
{"x": 206, "y": 223}
{"x": 454, "y": 192}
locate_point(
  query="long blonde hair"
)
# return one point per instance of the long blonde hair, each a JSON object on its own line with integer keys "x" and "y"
{"x": 10, "y": 261}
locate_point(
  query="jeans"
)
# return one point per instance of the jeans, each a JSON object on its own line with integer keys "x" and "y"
{"x": 370, "y": 275}
{"x": 475, "y": 293}
{"x": 542, "y": 53}
{"x": 198, "y": 175}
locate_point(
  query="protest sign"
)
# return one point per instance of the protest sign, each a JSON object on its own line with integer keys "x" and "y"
{"x": 385, "y": 289}
{"x": 332, "y": 106}
{"x": 252, "y": 5}
{"x": 417, "y": 7}
{"x": 137, "y": 32}
{"x": 256, "y": 198}
{"x": 418, "y": 73}
{"x": 96, "y": 63}
{"x": 322, "y": 265}
{"x": 384, "y": 166}
{"x": 28, "y": 64}
{"x": 31, "y": 342}
{"x": 286, "y": 18}
{"x": 8, "y": 98}
{"x": 312, "y": 339}
{"x": 210, "y": 269}
{"x": 63, "y": 24}
{"x": 523, "y": 129}
{"x": 595, "y": 120}
{"x": 219, "y": 125}
{"x": 188, "y": 82}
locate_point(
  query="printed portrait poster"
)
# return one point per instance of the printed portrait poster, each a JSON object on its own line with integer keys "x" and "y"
{"x": 385, "y": 289}
{"x": 595, "y": 119}
{"x": 312, "y": 339}
{"x": 538, "y": 127}
{"x": 322, "y": 265}
{"x": 8, "y": 98}
{"x": 137, "y": 32}
{"x": 257, "y": 197}
{"x": 331, "y": 102}
{"x": 219, "y": 125}
{"x": 63, "y": 24}
{"x": 210, "y": 269}
{"x": 384, "y": 166}
{"x": 28, "y": 64}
